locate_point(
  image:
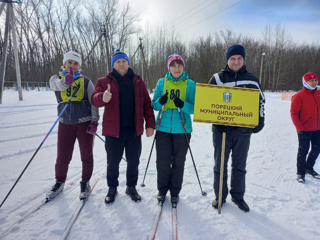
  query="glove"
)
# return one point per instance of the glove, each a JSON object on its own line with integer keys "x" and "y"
{"x": 68, "y": 79}
{"x": 178, "y": 102}
{"x": 163, "y": 99}
{"x": 92, "y": 127}
{"x": 260, "y": 126}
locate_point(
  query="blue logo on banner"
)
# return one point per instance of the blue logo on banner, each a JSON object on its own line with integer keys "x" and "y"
{"x": 227, "y": 97}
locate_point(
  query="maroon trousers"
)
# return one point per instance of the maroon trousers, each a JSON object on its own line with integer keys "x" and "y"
{"x": 67, "y": 135}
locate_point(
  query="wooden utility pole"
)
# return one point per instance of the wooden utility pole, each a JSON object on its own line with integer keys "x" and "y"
{"x": 142, "y": 59}
{"x": 103, "y": 33}
{"x": 143, "y": 64}
{"x": 9, "y": 24}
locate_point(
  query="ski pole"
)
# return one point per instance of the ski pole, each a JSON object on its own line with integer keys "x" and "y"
{"x": 73, "y": 95}
{"x": 100, "y": 137}
{"x": 105, "y": 141}
{"x": 221, "y": 171}
{"x": 145, "y": 173}
{"x": 185, "y": 133}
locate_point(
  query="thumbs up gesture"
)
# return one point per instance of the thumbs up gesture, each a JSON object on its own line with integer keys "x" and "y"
{"x": 107, "y": 95}
{"x": 68, "y": 79}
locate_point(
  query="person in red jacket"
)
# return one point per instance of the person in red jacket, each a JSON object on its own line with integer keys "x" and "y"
{"x": 127, "y": 104}
{"x": 305, "y": 114}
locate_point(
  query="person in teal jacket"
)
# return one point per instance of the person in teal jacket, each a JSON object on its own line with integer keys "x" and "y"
{"x": 174, "y": 99}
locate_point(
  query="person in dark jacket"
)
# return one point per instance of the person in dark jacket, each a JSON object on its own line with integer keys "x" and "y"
{"x": 305, "y": 116}
{"x": 234, "y": 74}
{"x": 174, "y": 99}
{"x": 127, "y": 104}
{"x": 79, "y": 121}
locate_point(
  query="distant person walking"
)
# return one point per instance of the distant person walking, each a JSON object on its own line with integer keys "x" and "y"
{"x": 79, "y": 122}
{"x": 305, "y": 114}
{"x": 127, "y": 105}
{"x": 174, "y": 94}
{"x": 234, "y": 74}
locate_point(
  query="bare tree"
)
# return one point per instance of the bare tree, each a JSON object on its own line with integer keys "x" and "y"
{"x": 47, "y": 29}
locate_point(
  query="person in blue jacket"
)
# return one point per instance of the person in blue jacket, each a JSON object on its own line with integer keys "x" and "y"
{"x": 174, "y": 99}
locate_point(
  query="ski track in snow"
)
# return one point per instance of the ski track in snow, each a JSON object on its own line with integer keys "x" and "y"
{"x": 281, "y": 208}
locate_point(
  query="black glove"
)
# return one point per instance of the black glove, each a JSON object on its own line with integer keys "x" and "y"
{"x": 260, "y": 126}
{"x": 178, "y": 102}
{"x": 163, "y": 99}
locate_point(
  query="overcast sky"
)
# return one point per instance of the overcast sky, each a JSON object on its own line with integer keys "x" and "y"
{"x": 191, "y": 19}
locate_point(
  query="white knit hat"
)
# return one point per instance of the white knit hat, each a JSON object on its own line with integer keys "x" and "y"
{"x": 72, "y": 56}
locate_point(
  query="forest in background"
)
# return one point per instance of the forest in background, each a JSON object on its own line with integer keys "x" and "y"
{"x": 48, "y": 29}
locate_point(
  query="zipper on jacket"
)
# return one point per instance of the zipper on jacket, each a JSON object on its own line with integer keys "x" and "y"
{"x": 175, "y": 81}
{"x": 317, "y": 110}
{"x": 115, "y": 80}
{"x": 134, "y": 92}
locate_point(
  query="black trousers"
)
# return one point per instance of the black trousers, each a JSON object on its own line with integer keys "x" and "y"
{"x": 115, "y": 147}
{"x": 237, "y": 142}
{"x": 305, "y": 160}
{"x": 171, "y": 156}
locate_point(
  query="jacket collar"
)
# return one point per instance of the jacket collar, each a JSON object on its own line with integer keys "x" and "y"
{"x": 243, "y": 69}
{"x": 129, "y": 74}
{"x": 183, "y": 76}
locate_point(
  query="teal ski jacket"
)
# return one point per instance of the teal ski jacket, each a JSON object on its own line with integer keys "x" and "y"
{"x": 170, "y": 121}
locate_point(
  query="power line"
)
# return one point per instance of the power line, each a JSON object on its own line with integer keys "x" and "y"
{"x": 192, "y": 10}
{"x": 213, "y": 15}
{"x": 196, "y": 12}
{"x": 188, "y": 16}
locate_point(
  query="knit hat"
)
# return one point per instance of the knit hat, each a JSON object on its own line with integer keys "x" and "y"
{"x": 72, "y": 56}
{"x": 175, "y": 57}
{"x": 307, "y": 77}
{"x": 235, "y": 49}
{"x": 119, "y": 55}
{"x": 310, "y": 76}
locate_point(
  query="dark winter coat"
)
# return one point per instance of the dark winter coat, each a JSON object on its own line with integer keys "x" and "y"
{"x": 305, "y": 112}
{"x": 111, "y": 116}
{"x": 240, "y": 79}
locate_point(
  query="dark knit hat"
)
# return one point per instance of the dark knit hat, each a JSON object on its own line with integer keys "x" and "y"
{"x": 118, "y": 55}
{"x": 235, "y": 49}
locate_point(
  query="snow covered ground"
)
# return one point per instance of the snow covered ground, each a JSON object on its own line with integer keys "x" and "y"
{"x": 281, "y": 208}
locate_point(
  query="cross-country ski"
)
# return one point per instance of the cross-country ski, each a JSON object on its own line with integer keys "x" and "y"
{"x": 77, "y": 212}
{"x": 174, "y": 218}
{"x": 156, "y": 220}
